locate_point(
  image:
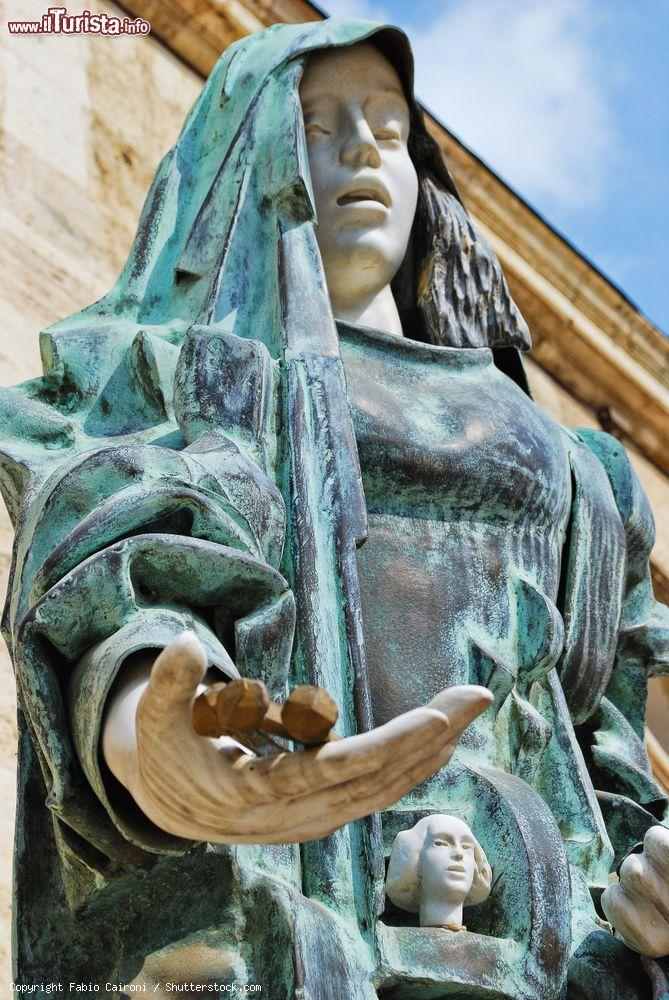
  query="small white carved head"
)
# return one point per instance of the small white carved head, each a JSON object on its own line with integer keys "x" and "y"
{"x": 436, "y": 868}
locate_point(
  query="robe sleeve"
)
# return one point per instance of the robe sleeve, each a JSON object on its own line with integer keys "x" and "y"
{"x": 139, "y": 472}
{"x": 630, "y": 797}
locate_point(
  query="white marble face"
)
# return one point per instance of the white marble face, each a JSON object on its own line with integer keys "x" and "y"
{"x": 448, "y": 862}
{"x": 356, "y": 120}
{"x": 435, "y": 869}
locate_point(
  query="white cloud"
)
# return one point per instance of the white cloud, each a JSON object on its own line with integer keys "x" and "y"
{"x": 523, "y": 84}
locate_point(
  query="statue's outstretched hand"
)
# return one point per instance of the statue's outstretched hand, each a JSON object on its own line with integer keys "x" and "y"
{"x": 211, "y": 790}
{"x": 638, "y": 904}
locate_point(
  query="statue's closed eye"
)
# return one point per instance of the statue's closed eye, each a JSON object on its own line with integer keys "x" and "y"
{"x": 386, "y": 134}
{"x": 314, "y": 129}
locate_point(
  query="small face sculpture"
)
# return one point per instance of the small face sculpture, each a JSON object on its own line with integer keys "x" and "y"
{"x": 356, "y": 120}
{"x": 435, "y": 869}
{"x": 448, "y": 862}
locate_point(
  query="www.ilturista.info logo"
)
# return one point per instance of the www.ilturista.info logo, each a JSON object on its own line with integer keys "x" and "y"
{"x": 56, "y": 21}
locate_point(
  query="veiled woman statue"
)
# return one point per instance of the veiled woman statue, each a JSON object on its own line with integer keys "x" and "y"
{"x": 298, "y": 430}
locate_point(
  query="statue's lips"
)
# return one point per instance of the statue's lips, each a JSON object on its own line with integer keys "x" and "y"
{"x": 363, "y": 194}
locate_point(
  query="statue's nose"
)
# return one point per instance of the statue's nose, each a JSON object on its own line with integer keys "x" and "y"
{"x": 360, "y": 147}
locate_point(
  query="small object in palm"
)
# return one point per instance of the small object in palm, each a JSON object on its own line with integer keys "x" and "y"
{"x": 243, "y": 709}
{"x": 309, "y": 714}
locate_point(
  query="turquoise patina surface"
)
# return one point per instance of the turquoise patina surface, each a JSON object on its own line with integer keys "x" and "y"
{"x": 380, "y": 517}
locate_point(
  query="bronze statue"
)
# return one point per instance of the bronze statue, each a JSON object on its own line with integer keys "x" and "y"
{"x": 312, "y": 448}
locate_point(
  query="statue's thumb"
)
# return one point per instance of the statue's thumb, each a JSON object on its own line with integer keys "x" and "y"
{"x": 177, "y": 671}
{"x": 461, "y": 705}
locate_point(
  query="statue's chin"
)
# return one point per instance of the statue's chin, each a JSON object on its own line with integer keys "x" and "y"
{"x": 356, "y": 275}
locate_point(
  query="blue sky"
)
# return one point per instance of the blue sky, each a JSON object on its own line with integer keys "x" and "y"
{"x": 568, "y": 101}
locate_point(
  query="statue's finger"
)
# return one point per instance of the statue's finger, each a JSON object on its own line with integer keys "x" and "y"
{"x": 462, "y": 704}
{"x": 322, "y": 812}
{"x": 422, "y": 738}
{"x": 638, "y": 878}
{"x": 409, "y": 737}
{"x": 656, "y": 846}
